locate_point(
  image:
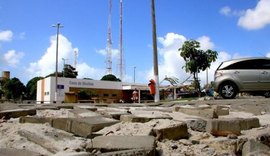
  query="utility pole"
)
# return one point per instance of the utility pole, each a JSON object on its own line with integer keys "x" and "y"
{"x": 58, "y": 25}
{"x": 155, "y": 57}
{"x": 134, "y": 73}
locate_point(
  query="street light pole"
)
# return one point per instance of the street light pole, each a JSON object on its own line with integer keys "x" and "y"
{"x": 134, "y": 72}
{"x": 58, "y": 25}
{"x": 155, "y": 57}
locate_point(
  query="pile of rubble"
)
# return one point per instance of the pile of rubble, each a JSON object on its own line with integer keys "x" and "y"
{"x": 131, "y": 129}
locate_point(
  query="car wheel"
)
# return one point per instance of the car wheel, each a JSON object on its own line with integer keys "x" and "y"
{"x": 267, "y": 94}
{"x": 228, "y": 90}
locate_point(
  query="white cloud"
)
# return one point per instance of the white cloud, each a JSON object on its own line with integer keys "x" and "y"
{"x": 256, "y": 18}
{"x": 115, "y": 52}
{"x": 227, "y": 11}
{"x": 205, "y": 43}
{"x": 171, "y": 62}
{"x": 46, "y": 64}
{"x": 6, "y": 35}
{"x": 85, "y": 71}
{"x": 12, "y": 58}
{"x": 268, "y": 54}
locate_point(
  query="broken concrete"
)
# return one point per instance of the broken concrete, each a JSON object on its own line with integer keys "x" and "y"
{"x": 142, "y": 118}
{"x": 167, "y": 132}
{"x": 34, "y": 119}
{"x": 202, "y": 111}
{"x": 112, "y": 143}
{"x": 221, "y": 110}
{"x": 82, "y": 126}
{"x": 17, "y": 152}
{"x": 132, "y": 152}
{"x": 224, "y": 127}
{"x": 173, "y": 132}
{"x": 80, "y": 113}
{"x": 15, "y": 113}
{"x": 252, "y": 147}
{"x": 224, "y": 145}
{"x": 197, "y": 125}
{"x": 90, "y": 108}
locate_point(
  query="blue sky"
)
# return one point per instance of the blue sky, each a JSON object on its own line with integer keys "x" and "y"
{"x": 27, "y": 39}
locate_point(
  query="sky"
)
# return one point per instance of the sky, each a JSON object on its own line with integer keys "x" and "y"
{"x": 233, "y": 28}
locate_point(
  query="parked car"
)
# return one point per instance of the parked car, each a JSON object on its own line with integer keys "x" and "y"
{"x": 250, "y": 75}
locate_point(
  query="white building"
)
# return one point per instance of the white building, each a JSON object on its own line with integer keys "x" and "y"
{"x": 104, "y": 91}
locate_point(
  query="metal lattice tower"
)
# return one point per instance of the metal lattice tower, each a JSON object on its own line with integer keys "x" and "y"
{"x": 75, "y": 59}
{"x": 109, "y": 42}
{"x": 121, "y": 53}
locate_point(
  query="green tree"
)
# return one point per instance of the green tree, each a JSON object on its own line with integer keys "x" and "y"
{"x": 69, "y": 71}
{"x": 84, "y": 95}
{"x": 196, "y": 59}
{"x": 14, "y": 89}
{"x": 110, "y": 77}
{"x": 59, "y": 74}
{"x": 31, "y": 88}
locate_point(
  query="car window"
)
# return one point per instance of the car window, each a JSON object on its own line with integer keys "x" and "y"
{"x": 265, "y": 64}
{"x": 247, "y": 64}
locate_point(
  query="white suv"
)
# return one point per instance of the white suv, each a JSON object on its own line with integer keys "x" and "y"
{"x": 243, "y": 75}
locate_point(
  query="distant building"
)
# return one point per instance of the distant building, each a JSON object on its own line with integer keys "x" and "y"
{"x": 104, "y": 91}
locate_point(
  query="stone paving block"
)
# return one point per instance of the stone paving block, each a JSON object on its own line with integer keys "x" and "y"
{"x": 9, "y": 106}
{"x": 79, "y": 113}
{"x": 142, "y": 119}
{"x": 17, "y": 113}
{"x": 172, "y": 132}
{"x": 90, "y": 108}
{"x": 44, "y": 107}
{"x": 41, "y": 140}
{"x": 112, "y": 143}
{"x": 34, "y": 119}
{"x": 223, "y": 127}
{"x": 97, "y": 122}
{"x": 17, "y": 152}
{"x": 255, "y": 148}
{"x": 249, "y": 123}
{"x": 82, "y": 126}
{"x": 205, "y": 112}
{"x": 64, "y": 106}
{"x": 132, "y": 152}
{"x": 113, "y": 114}
{"x": 221, "y": 110}
{"x": 222, "y": 144}
{"x": 73, "y": 154}
{"x": 62, "y": 123}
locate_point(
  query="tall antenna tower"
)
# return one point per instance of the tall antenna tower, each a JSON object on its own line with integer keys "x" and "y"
{"x": 75, "y": 59}
{"x": 109, "y": 42}
{"x": 121, "y": 60}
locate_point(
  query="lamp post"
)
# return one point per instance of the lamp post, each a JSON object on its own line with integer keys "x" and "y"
{"x": 134, "y": 73}
{"x": 57, "y": 26}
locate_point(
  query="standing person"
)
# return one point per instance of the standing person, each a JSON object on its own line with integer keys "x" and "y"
{"x": 135, "y": 96}
{"x": 152, "y": 87}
